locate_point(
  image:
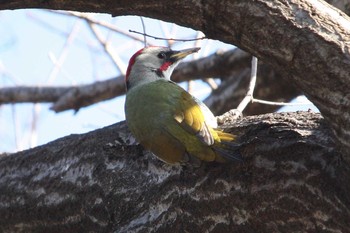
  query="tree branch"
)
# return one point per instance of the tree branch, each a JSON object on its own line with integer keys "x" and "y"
{"x": 232, "y": 65}
{"x": 103, "y": 182}
{"x": 218, "y": 64}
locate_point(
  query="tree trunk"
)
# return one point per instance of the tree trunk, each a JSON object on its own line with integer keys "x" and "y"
{"x": 292, "y": 180}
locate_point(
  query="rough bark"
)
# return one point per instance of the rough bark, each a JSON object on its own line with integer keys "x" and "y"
{"x": 306, "y": 40}
{"x": 292, "y": 180}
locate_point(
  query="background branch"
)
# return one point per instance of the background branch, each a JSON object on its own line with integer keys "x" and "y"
{"x": 221, "y": 64}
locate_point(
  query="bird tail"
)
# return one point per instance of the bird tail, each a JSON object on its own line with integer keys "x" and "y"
{"x": 227, "y": 148}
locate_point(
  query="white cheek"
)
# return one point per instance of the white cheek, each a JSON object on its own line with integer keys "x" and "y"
{"x": 167, "y": 73}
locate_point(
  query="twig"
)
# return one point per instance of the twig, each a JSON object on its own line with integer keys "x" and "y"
{"x": 237, "y": 113}
{"x": 107, "y": 25}
{"x": 249, "y": 96}
{"x": 9, "y": 75}
{"x": 63, "y": 55}
{"x": 33, "y": 130}
{"x": 144, "y": 31}
{"x": 197, "y": 43}
{"x": 211, "y": 83}
{"x": 166, "y": 33}
{"x": 190, "y": 86}
{"x": 119, "y": 64}
{"x": 15, "y": 127}
{"x": 54, "y": 61}
{"x": 277, "y": 103}
{"x": 162, "y": 38}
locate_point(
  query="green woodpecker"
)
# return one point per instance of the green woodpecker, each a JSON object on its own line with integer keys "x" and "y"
{"x": 166, "y": 119}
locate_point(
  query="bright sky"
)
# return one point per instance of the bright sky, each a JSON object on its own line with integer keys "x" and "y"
{"x": 32, "y": 41}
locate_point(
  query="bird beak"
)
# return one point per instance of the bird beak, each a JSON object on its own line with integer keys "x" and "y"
{"x": 178, "y": 55}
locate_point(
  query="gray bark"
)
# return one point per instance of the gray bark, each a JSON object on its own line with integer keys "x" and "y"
{"x": 292, "y": 180}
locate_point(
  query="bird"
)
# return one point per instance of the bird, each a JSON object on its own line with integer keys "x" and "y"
{"x": 167, "y": 120}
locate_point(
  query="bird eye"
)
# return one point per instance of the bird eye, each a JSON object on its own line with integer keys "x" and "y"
{"x": 161, "y": 55}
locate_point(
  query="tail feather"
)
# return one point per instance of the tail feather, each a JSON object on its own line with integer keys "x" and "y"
{"x": 227, "y": 148}
{"x": 228, "y": 153}
{"x": 225, "y": 136}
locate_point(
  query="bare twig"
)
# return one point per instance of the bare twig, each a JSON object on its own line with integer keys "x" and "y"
{"x": 162, "y": 38}
{"x": 198, "y": 43}
{"x": 249, "y": 96}
{"x": 118, "y": 63}
{"x": 190, "y": 86}
{"x": 277, "y": 103}
{"x": 63, "y": 55}
{"x": 5, "y": 73}
{"x": 87, "y": 17}
{"x": 15, "y": 127}
{"x": 144, "y": 31}
{"x": 167, "y": 33}
{"x": 34, "y": 124}
{"x": 237, "y": 113}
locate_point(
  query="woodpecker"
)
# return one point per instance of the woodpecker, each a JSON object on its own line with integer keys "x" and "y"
{"x": 167, "y": 120}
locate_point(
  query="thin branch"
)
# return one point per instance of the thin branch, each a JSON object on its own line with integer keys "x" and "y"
{"x": 118, "y": 63}
{"x": 190, "y": 86}
{"x": 277, "y": 103}
{"x": 211, "y": 83}
{"x": 249, "y": 96}
{"x": 86, "y": 16}
{"x": 33, "y": 137}
{"x": 15, "y": 127}
{"x": 198, "y": 43}
{"x": 162, "y": 38}
{"x": 63, "y": 55}
{"x": 237, "y": 113}
{"x": 64, "y": 73}
{"x": 167, "y": 33}
{"x": 144, "y": 31}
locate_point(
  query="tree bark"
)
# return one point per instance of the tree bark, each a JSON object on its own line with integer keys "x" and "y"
{"x": 292, "y": 180}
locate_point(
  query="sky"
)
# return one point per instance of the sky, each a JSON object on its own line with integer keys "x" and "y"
{"x": 33, "y": 42}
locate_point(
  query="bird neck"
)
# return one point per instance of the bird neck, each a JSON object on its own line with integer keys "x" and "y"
{"x": 141, "y": 75}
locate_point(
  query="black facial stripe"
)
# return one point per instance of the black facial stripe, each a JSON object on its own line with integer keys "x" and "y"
{"x": 127, "y": 85}
{"x": 168, "y": 56}
{"x": 159, "y": 73}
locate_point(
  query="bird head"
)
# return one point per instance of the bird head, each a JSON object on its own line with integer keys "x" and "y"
{"x": 153, "y": 63}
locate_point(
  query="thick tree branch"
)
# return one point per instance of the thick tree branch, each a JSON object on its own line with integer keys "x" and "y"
{"x": 103, "y": 182}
